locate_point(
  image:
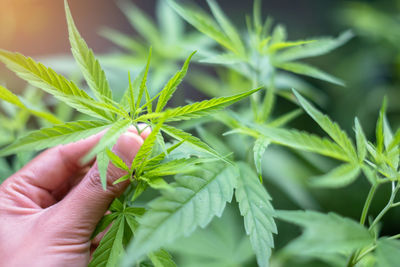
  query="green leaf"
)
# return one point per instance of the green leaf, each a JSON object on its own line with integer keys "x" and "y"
{"x": 141, "y": 186}
{"x": 104, "y": 222}
{"x": 379, "y": 128}
{"x": 361, "y": 141}
{"x": 326, "y": 233}
{"x": 259, "y": 148}
{"x": 206, "y": 107}
{"x": 395, "y": 141}
{"x": 387, "y": 252}
{"x": 141, "y": 22}
{"x": 141, "y": 159}
{"x": 331, "y": 128}
{"x": 282, "y": 45}
{"x": 279, "y": 34}
{"x": 123, "y": 40}
{"x": 203, "y": 23}
{"x": 258, "y": 213}
{"x": 170, "y": 23}
{"x": 8, "y": 96}
{"x": 122, "y": 179}
{"x": 172, "y": 167}
{"x": 48, "y": 80}
{"x": 132, "y": 104}
{"x": 316, "y": 48}
{"x": 142, "y": 87}
{"x": 110, "y": 249}
{"x": 226, "y": 26}
{"x": 109, "y": 138}
{"x": 157, "y": 183}
{"x": 56, "y": 135}
{"x": 214, "y": 140}
{"x": 89, "y": 65}
{"x": 194, "y": 201}
{"x": 116, "y": 160}
{"x": 284, "y": 119}
{"x": 304, "y": 141}
{"x": 161, "y": 258}
{"x": 307, "y": 70}
{"x": 154, "y": 161}
{"x": 102, "y": 165}
{"x": 172, "y": 85}
{"x": 116, "y": 206}
{"x": 193, "y": 141}
{"x": 110, "y": 108}
{"x": 340, "y": 176}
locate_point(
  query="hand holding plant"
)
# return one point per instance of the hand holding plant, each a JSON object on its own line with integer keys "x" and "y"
{"x": 55, "y": 203}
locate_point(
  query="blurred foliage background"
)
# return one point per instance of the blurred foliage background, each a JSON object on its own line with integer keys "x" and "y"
{"x": 369, "y": 64}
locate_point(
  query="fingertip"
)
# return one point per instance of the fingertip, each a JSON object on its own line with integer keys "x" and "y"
{"x": 127, "y": 146}
{"x": 144, "y": 129}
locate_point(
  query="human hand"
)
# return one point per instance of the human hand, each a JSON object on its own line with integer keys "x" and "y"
{"x": 50, "y": 208}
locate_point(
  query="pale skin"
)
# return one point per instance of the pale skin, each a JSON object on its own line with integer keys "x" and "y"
{"x": 50, "y": 208}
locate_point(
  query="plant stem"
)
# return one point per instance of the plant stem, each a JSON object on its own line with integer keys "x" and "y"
{"x": 359, "y": 254}
{"x": 395, "y": 189}
{"x": 362, "y": 255}
{"x": 368, "y": 203}
{"x": 394, "y": 236}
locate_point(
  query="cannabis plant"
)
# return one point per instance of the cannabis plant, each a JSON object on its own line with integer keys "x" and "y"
{"x": 197, "y": 194}
{"x": 180, "y": 182}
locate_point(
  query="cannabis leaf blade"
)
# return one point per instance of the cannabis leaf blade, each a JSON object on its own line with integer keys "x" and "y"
{"x": 195, "y": 142}
{"x": 226, "y": 25}
{"x": 141, "y": 22}
{"x": 8, "y": 96}
{"x": 108, "y": 252}
{"x": 48, "y": 80}
{"x": 56, "y": 135}
{"x": 304, "y": 141}
{"x": 161, "y": 258}
{"x": 194, "y": 201}
{"x": 304, "y": 69}
{"x": 140, "y": 160}
{"x": 255, "y": 206}
{"x": 340, "y": 176}
{"x": 326, "y": 233}
{"x": 204, "y": 23}
{"x": 259, "y": 148}
{"x": 109, "y": 138}
{"x": 331, "y": 128}
{"x": 172, "y": 85}
{"x": 361, "y": 141}
{"x": 203, "y": 108}
{"x": 316, "y": 48}
{"x": 89, "y": 65}
{"x": 116, "y": 160}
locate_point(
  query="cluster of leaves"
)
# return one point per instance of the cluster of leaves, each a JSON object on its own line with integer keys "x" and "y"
{"x": 263, "y": 49}
{"x": 168, "y": 38}
{"x": 198, "y": 193}
{"x": 379, "y": 162}
{"x": 262, "y": 55}
{"x": 207, "y": 175}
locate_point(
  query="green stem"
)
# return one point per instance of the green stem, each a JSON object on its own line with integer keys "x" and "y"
{"x": 395, "y": 204}
{"x": 368, "y": 203}
{"x": 363, "y": 254}
{"x": 394, "y": 236}
{"x": 395, "y": 189}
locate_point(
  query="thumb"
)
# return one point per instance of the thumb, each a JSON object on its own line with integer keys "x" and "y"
{"x": 87, "y": 202}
